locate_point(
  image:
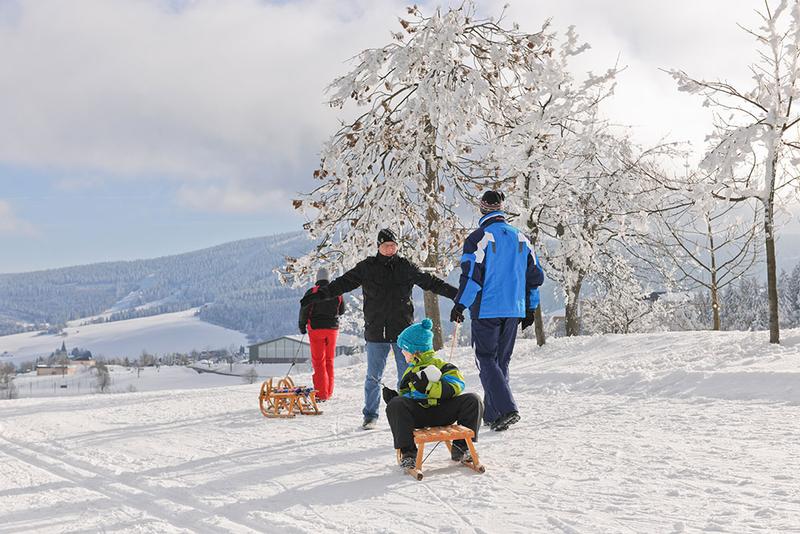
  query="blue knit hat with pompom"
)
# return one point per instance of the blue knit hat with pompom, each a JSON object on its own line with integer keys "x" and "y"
{"x": 417, "y": 338}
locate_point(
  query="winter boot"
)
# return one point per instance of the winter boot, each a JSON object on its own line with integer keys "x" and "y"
{"x": 369, "y": 423}
{"x": 460, "y": 452}
{"x": 409, "y": 459}
{"x": 505, "y": 421}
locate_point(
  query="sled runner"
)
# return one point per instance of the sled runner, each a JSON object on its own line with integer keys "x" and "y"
{"x": 287, "y": 400}
{"x": 448, "y": 434}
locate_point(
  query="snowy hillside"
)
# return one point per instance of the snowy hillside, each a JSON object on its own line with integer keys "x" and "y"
{"x": 234, "y": 283}
{"x": 679, "y": 432}
{"x": 166, "y": 333}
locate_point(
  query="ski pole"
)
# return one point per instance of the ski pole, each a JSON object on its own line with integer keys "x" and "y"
{"x": 455, "y": 340}
{"x": 294, "y": 360}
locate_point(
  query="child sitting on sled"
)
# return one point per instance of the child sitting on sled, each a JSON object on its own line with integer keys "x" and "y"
{"x": 430, "y": 395}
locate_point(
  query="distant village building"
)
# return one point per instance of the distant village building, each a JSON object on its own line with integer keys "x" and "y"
{"x": 84, "y": 360}
{"x": 55, "y": 370}
{"x": 294, "y": 348}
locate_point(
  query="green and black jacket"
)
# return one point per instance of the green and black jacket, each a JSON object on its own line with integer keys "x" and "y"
{"x": 449, "y": 385}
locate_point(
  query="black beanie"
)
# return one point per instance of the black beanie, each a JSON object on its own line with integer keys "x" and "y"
{"x": 492, "y": 201}
{"x": 386, "y": 235}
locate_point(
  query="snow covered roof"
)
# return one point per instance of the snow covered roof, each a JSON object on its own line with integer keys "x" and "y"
{"x": 344, "y": 340}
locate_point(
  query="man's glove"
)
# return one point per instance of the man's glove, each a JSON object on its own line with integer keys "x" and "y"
{"x": 528, "y": 319}
{"x": 321, "y": 294}
{"x": 420, "y": 381}
{"x": 388, "y": 394}
{"x": 457, "y": 314}
{"x": 303, "y": 329}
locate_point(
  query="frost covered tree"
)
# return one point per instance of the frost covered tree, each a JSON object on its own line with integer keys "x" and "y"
{"x": 538, "y": 138}
{"x": 754, "y": 145}
{"x": 789, "y": 286}
{"x": 589, "y": 193}
{"x": 352, "y": 322}
{"x": 250, "y": 376}
{"x": 746, "y": 307}
{"x": 103, "y": 376}
{"x": 578, "y": 184}
{"x": 8, "y": 390}
{"x": 420, "y": 107}
{"x": 703, "y": 245}
{"x": 620, "y": 304}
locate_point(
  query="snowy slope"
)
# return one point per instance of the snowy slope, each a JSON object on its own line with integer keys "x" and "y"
{"x": 679, "y": 432}
{"x": 159, "y": 334}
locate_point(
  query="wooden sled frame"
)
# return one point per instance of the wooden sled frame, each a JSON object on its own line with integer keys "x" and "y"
{"x": 286, "y": 399}
{"x": 448, "y": 434}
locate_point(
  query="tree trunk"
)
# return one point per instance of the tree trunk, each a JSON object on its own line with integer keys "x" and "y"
{"x": 714, "y": 288}
{"x": 715, "y": 304}
{"x": 533, "y": 235}
{"x": 769, "y": 235}
{"x": 772, "y": 277}
{"x": 432, "y": 311}
{"x": 538, "y": 324}
{"x": 431, "y": 192}
{"x": 571, "y": 319}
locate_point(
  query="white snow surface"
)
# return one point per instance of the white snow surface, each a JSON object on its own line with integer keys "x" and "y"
{"x": 676, "y": 432}
{"x": 158, "y": 334}
{"x": 129, "y": 379}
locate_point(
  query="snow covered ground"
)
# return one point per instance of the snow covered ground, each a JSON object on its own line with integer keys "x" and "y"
{"x": 130, "y": 379}
{"x": 678, "y": 432}
{"x": 158, "y": 334}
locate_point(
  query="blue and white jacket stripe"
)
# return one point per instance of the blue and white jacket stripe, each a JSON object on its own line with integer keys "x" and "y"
{"x": 500, "y": 273}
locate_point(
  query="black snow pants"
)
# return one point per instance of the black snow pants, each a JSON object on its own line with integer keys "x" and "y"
{"x": 405, "y": 415}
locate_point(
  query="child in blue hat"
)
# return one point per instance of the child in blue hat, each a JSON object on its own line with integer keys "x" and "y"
{"x": 430, "y": 395}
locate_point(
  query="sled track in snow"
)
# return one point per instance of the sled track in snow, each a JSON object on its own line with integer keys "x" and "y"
{"x": 181, "y": 512}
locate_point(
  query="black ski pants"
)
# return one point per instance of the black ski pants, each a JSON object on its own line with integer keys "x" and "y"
{"x": 405, "y": 415}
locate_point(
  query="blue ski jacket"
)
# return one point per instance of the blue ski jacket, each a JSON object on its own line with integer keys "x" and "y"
{"x": 500, "y": 273}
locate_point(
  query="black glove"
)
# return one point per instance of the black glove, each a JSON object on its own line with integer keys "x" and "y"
{"x": 388, "y": 394}
{"x": 457, "y": 314}
{"x": 303, "y": 329}
{"x": 528, "y": 319}
{"x": 321, "y": 294}
{"x": 420, "y": 381}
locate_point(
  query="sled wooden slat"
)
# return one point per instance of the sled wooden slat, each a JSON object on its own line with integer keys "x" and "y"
{"x": 286, "y": 400}
{"x": 448, "y": 434}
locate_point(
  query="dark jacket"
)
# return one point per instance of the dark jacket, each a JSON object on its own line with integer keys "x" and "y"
{"x": 386, "y": 283}
{"x": 322, "y": 313}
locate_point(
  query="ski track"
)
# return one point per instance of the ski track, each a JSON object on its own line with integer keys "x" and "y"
{"x": 581, "y": 460}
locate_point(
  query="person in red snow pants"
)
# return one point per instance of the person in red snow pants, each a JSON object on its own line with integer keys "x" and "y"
{"x": 320, "y": 320}
{"x": 323, "y": 350}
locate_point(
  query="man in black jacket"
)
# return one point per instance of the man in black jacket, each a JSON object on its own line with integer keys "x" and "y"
{"x": 386, "y": 281}
{"x": 320, "y": 320}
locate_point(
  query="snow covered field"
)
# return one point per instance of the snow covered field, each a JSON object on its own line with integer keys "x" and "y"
{"x": 159, "y": 334}
{"x": 129, "y": 379}
{"x": 678, "y": 432}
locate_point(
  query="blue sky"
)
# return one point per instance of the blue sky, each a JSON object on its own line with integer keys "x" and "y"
{"x": 139, "y": 128}
{"x": 117, "y": 220}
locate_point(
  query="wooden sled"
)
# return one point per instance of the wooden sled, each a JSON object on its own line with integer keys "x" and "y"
{"x": 448, "y": 434}
{"x": 286, "y": 399}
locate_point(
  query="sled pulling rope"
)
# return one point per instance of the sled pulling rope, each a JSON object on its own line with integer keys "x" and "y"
{"x": 287, "y": 400}
{"x": 448, "y": 434}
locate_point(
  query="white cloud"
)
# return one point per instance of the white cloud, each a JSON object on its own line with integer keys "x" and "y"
{"x": 700, "y": 37}
{"x": 209, "y": 92}
{"x": 232, "y": 198}
{"x": 206, "y": 90}
{"x": 11, "y": 225}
